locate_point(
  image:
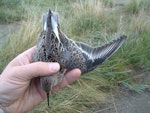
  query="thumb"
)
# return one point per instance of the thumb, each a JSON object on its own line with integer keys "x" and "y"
{"x": 36, "y": 69}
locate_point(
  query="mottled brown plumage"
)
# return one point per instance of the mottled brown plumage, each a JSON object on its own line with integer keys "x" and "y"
{"x": 54, "y": 46}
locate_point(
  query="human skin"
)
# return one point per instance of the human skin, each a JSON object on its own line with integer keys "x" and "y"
{"x": 20, "y": 89}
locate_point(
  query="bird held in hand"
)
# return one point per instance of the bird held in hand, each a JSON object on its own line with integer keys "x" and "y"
{"x": 54, "y": 46}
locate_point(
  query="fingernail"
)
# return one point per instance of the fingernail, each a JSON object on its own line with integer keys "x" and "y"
{"x": 54, "y": 67}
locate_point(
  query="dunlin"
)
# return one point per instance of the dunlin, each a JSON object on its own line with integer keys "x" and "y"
{"x": 55, "y": 46}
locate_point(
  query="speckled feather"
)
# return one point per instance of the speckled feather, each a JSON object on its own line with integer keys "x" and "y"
{"x": 55, "y": 46}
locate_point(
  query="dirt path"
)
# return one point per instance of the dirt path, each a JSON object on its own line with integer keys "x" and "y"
{"x": 131, "y": 102}
{"x": 123, "y": 100}
{"x": 128, "y": 102}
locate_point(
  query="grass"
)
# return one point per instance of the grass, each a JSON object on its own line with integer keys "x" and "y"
{"x": 135, "y": 6}
{"x": 93, "y": 25}
{"x": 10, "y": 11}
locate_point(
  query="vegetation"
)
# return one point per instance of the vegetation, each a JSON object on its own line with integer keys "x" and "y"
{"x": 93, "y": 22}
{"x": 135, "y": 6}
{"x": 10, "y": 10}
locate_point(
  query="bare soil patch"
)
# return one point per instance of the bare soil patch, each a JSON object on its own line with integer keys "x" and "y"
{"x": 124, "y": 100}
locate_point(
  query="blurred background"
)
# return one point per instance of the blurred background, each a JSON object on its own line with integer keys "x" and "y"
{"x": 121, "y": 84}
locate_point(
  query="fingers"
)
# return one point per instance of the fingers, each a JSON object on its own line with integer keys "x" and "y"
{"x": 68, "y": 79}
{"x": 36, "y": 69}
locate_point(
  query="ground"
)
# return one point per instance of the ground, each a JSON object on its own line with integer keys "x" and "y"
{"x": 127, "y": 102}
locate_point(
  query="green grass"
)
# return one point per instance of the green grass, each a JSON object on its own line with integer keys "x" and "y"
{"x": 93, "y": 25}
{"x": 10, "y": 11}
{"x": 135, "y": 6}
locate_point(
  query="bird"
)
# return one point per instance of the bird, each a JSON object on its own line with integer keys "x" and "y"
{"x": 54, "y": 46}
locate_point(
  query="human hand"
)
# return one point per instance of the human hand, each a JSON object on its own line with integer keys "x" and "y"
{"x": 20, "y": 89}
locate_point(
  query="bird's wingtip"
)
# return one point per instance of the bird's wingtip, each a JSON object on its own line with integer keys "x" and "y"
{"x": 123, "y": 37}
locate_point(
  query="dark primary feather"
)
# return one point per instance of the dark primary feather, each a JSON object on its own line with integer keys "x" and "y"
{"x": 96, "y": 56}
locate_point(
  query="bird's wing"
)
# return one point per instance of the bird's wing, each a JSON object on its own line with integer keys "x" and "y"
{"x": 98, "y": 55}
